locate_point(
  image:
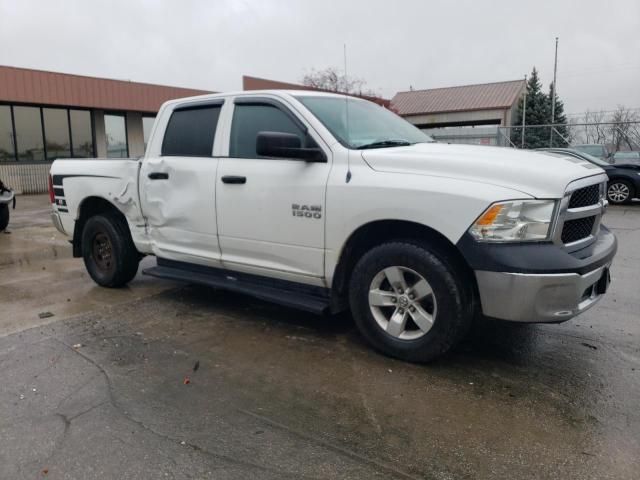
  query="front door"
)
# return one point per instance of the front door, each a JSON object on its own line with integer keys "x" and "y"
{"x": 178, "y": 187}
{"x": 270, "y": 210}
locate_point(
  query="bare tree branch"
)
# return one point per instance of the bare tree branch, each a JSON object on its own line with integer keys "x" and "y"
{"x": 334, "y": 80}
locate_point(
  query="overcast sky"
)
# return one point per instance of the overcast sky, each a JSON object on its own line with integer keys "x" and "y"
{"x": 391, "y": 44}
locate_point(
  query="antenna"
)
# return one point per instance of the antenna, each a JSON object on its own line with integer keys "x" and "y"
{"x": 346, "y": 103}
{"x": 553, "y": 98}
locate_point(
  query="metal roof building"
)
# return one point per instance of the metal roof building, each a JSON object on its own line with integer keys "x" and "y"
{"x": 48, "y": 115}
{"x": 438, "y": 110}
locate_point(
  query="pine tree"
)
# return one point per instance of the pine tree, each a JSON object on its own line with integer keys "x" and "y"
{"x": 538, "y": 113}
{"x": 561, "y": 132}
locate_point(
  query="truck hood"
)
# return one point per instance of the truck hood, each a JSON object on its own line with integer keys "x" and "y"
{"x": 534, "y": 173}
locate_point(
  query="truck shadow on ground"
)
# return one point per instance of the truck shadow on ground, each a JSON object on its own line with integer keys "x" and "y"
{"x": 487, "y": 339}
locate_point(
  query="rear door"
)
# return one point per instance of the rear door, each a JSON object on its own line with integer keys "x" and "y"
{"x": 178, "y": 186}
{"x": 271, "y": 210}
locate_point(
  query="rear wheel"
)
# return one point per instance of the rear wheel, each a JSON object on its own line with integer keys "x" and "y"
{"x": 619, "y": 191}
{"x": 109, "y": 254}
{"x": 4, "y": 216}
{"x": 409, "y": 303}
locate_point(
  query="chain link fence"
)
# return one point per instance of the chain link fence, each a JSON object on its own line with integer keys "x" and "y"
{"x": 611, "y": 136}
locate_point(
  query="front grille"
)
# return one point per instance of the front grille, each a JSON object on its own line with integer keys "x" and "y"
{"x": 583, "y": 197}
{"x": 574, "y": 230}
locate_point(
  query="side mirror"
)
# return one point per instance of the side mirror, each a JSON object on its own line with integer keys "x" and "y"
{"x": 286, "y": 145}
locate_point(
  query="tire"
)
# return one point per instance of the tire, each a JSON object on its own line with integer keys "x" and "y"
{"x": 109, "y": 254}
{"x": 619, "y": 192}
{"x": 448, "y": 305}
{"x": 4, "y": 216}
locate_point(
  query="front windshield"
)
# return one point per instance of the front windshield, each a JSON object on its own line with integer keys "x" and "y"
{"x": 370, "y": 125}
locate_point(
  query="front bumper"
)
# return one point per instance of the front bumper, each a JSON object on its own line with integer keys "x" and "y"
{"x": 539, "y": 282}
{"x": 534, "y": 298}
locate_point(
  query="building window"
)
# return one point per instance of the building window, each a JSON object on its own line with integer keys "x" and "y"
{"x": 67, "y": 133}
{"x": 147, "y": 125}
{"x": 56, "y": 133}
{"x": 116, "y": 134}
{"x": 29, "y": 139}
{"x": 7, "y": 150}
{"x": 81, "y": 133}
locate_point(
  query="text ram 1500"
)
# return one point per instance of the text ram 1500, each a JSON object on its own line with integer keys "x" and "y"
{"x": 325, "y": 203}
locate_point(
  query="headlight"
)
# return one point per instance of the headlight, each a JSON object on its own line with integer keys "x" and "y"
{"x": 515, "y": 221}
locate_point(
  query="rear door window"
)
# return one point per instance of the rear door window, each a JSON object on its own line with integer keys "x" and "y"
{"x": 190, "y": 131}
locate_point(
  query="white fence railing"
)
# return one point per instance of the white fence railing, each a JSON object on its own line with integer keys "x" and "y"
{"x": 25, "y": 178}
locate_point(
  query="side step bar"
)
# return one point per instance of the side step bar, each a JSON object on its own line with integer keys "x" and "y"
{"x": 289, "y": 294}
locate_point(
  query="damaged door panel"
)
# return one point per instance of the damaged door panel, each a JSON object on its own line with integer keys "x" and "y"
{"x": 178, "y": 187}
{"x": 178, "y": 195}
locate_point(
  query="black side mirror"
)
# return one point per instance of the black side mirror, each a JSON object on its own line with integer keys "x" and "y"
{"x": 286, "y": 145}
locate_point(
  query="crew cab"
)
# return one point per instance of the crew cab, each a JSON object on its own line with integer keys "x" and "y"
{"x": 326, "y": 203}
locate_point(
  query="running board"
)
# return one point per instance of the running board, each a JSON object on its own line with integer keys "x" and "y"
{"x": 289, "y": 294}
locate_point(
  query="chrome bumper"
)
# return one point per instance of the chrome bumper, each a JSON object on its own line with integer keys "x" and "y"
{"x": 55, "y": 218}
{"x": 538, "y": 298}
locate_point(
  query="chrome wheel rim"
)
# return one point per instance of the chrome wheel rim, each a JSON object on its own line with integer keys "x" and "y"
{"x": 402, "y": 303}
{"x": 618, "y": 192}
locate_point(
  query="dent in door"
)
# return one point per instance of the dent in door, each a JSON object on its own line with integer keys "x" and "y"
{"x": 180, "y": 210}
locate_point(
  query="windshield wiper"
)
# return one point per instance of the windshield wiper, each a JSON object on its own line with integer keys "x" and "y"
{"x": 384, "y": 143}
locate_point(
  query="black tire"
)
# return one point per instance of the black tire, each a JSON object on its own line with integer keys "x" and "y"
{"x": 4, "y": 216}
{"x": 621, "y": 184}
{"x": 454, "y": 299}
{"x": 109, "y": 254}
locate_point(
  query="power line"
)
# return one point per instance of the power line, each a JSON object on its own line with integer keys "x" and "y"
{"x": 578, "y": 114}
{"x": 633, "y": 66}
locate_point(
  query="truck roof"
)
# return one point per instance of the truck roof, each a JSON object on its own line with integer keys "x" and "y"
{"x": 292, "y": 93}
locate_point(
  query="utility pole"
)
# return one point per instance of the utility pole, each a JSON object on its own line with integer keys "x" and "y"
{"x": 524, "y": 110}
{"x": 553, "y": 95}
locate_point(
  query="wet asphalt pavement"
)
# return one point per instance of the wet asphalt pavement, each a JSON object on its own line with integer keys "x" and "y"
{"x": 161, "y": 380}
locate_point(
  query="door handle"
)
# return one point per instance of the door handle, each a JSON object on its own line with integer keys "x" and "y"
{"x": 158, "y": 176}
{"x": 234, "y": 179}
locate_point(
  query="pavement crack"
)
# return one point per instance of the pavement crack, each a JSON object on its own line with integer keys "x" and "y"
{"x": 388, "y": 468}
{"x": 88, "y": 410}
{"x": 59, "y": 441}
{"x": 75, "y": 391}
{"x": 369, "y": 412}
{"x": 111, "y": 399}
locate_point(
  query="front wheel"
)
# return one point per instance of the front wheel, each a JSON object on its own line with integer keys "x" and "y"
{"x": 109, "y": 254}
{"x": 409, "y": 303}
{"x": 619, "y": 191}
{"x": 4, "y": 216}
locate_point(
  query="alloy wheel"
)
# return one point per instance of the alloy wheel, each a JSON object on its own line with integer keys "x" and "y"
{"x": 402, "y": 303}
{"x": 618, "y": 192}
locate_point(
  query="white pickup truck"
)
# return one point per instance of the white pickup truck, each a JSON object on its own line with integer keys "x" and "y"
{"x": 326, "y": 203}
